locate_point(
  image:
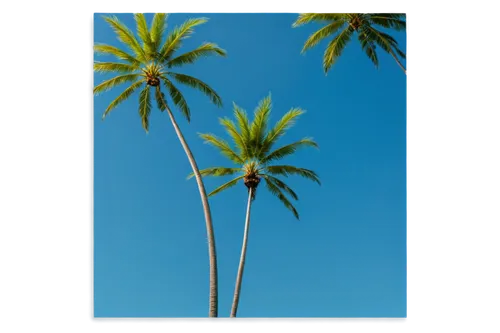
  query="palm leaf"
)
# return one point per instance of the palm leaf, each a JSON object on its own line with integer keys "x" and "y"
{"x": 223, "y": 147}
{"x": 145, "y": 107}
{"x": 393, "y": 21}
{"x": 117, "y": 67}
{"x": 111, "y": 83}
{"x": 321, "y": 34}
{"x": 289, "y": 149}
{"x": 312, "y": 17}
{"x": 277, "y": 192}
{"x": 158, "y": 27}
{"x": 120, "y": 54}
{"x": 280, "y": 184}
{"x": 259, "y": 125}
{"x": 123, "y": 96}
{"x": 199, "y": 85}
{"x": 232, "y": 130}
{"x": 368, "y": 46}
{"x": 335, "y": 47}
{"x": 177, "y": 98}
{"x": 143, "y": 32}
{"x": 173, "y": 41}
{"x": 287, "y": 170}
{"x": 190, "y": 57}
{"x": 225, "y": 186}
{"x": 161, "y": 101}
{"x": 216, "y": 171}
{"x": 281, "y": 126}
{"x": 126, "y": 36}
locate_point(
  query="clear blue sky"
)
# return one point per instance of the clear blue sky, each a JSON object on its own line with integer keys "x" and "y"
{"x": 346, "y": 257}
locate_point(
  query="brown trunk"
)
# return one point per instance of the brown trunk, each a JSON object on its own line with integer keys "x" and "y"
{"x": 239, "y": 277}
{"x": 213, "y": 302}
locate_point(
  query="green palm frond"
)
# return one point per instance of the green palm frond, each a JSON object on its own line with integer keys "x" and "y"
{"x": 120, "y": 54}
{"x": 177, "y": 98}
{"x": 225, "y": 186}
{"x": 106, "y": 67}
{"x": 181, "y": 32}
{"x": 287, "y": 170}
{"x": 161, "y": 101}
{"x": 126, "y": 36}
{"x": 315, "y": 17}
{"x": 111, "y": 83}
{"x": 207, "y": 49}
{"x": 280, "y": 184}
{"x": 143, "y": 32}
{"x": 238, "y": 140}
{"x": 223, "y": 146}
{"x": 391, "y": 21}
{"x": 281, "y": 126}
{"x": 258, "y": 126}
{"x": 217, "y": 172}
{"x": 145, "y": 107}
{"x": 368, "y": 46}
{"x": 321, "y": 34}
{"x": 158, "y": 27}
{"x": 277, "y": 192}
{"x": 335, "y": 47}
{"x": 123, "y": 96}
{"x": 199, "y": 85}
{"x": 289, "y": 149}
{"x": 387, "y": 43}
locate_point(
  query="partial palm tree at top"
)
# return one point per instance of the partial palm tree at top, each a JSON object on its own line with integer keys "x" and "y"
{"x": 149, "y": 63}
{"x": 256, "y": 158}
{"x": 343, "y": 26}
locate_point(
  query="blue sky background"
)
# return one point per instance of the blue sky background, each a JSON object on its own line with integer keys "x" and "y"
{"x": 346, "y": 257}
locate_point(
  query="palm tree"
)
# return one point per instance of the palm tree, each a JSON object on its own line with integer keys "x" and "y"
{"x": 345, "y": 25}
{"x": 255, "y": 157}
{"x": 147, "y": 65}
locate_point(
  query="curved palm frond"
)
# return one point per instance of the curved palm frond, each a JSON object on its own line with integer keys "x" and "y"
{"x": 199, "y": 85}
{"x": 287, "y": 170}
{"x": 177, "y": 98}
{"x": 368, "y": 46}
{"x": 285, "y": 123}
{"x": 120, "y": 54}
{"x": 280, "y": 184}
{"x": 223, "y": 146}
{"x": 277, "y": 192}
{"x": 216, "y": 171}
{"x": 206, "y": 49}
{"x": 335, "y": 47}
{"x": 123, "y": 96}
{"x": 392, "y": 21}
{"x": 104, "y": 67}
{"x": 157, "y": 29}
{"x": 126, "y": 36}
{"x": 145, "y": 107}
{"x": 258, "y": 126}
{"x": 315, "y": 17}
{"x": 143, "y": 32}
{"x": 321, "y": 34}
{"x": 161, "y": 101}
{"x": 387, "y": 43}
{"x": 225, "y": 186}
{"x": 111, "y": 83}
{"x": 238, "y": 139}
{"x": 181, "y": 32}
{"x": 289, "y": 149}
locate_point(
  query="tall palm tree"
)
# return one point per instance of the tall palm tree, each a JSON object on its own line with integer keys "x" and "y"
{"x": 343, "y": 26}
{"x": 255, "y": 158}
{"x": 147, "y": 65}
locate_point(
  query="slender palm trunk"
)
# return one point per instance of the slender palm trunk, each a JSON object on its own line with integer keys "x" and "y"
{"x": 399, "y": 63}
{"x": 239, "y": 277}
{"x": 213, "y": 302}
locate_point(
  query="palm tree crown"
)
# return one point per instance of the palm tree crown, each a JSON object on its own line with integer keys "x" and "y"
{"x": 148, "y": 62}
{"x": 345, "y": 25}
{"x": 255, "y": 155}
